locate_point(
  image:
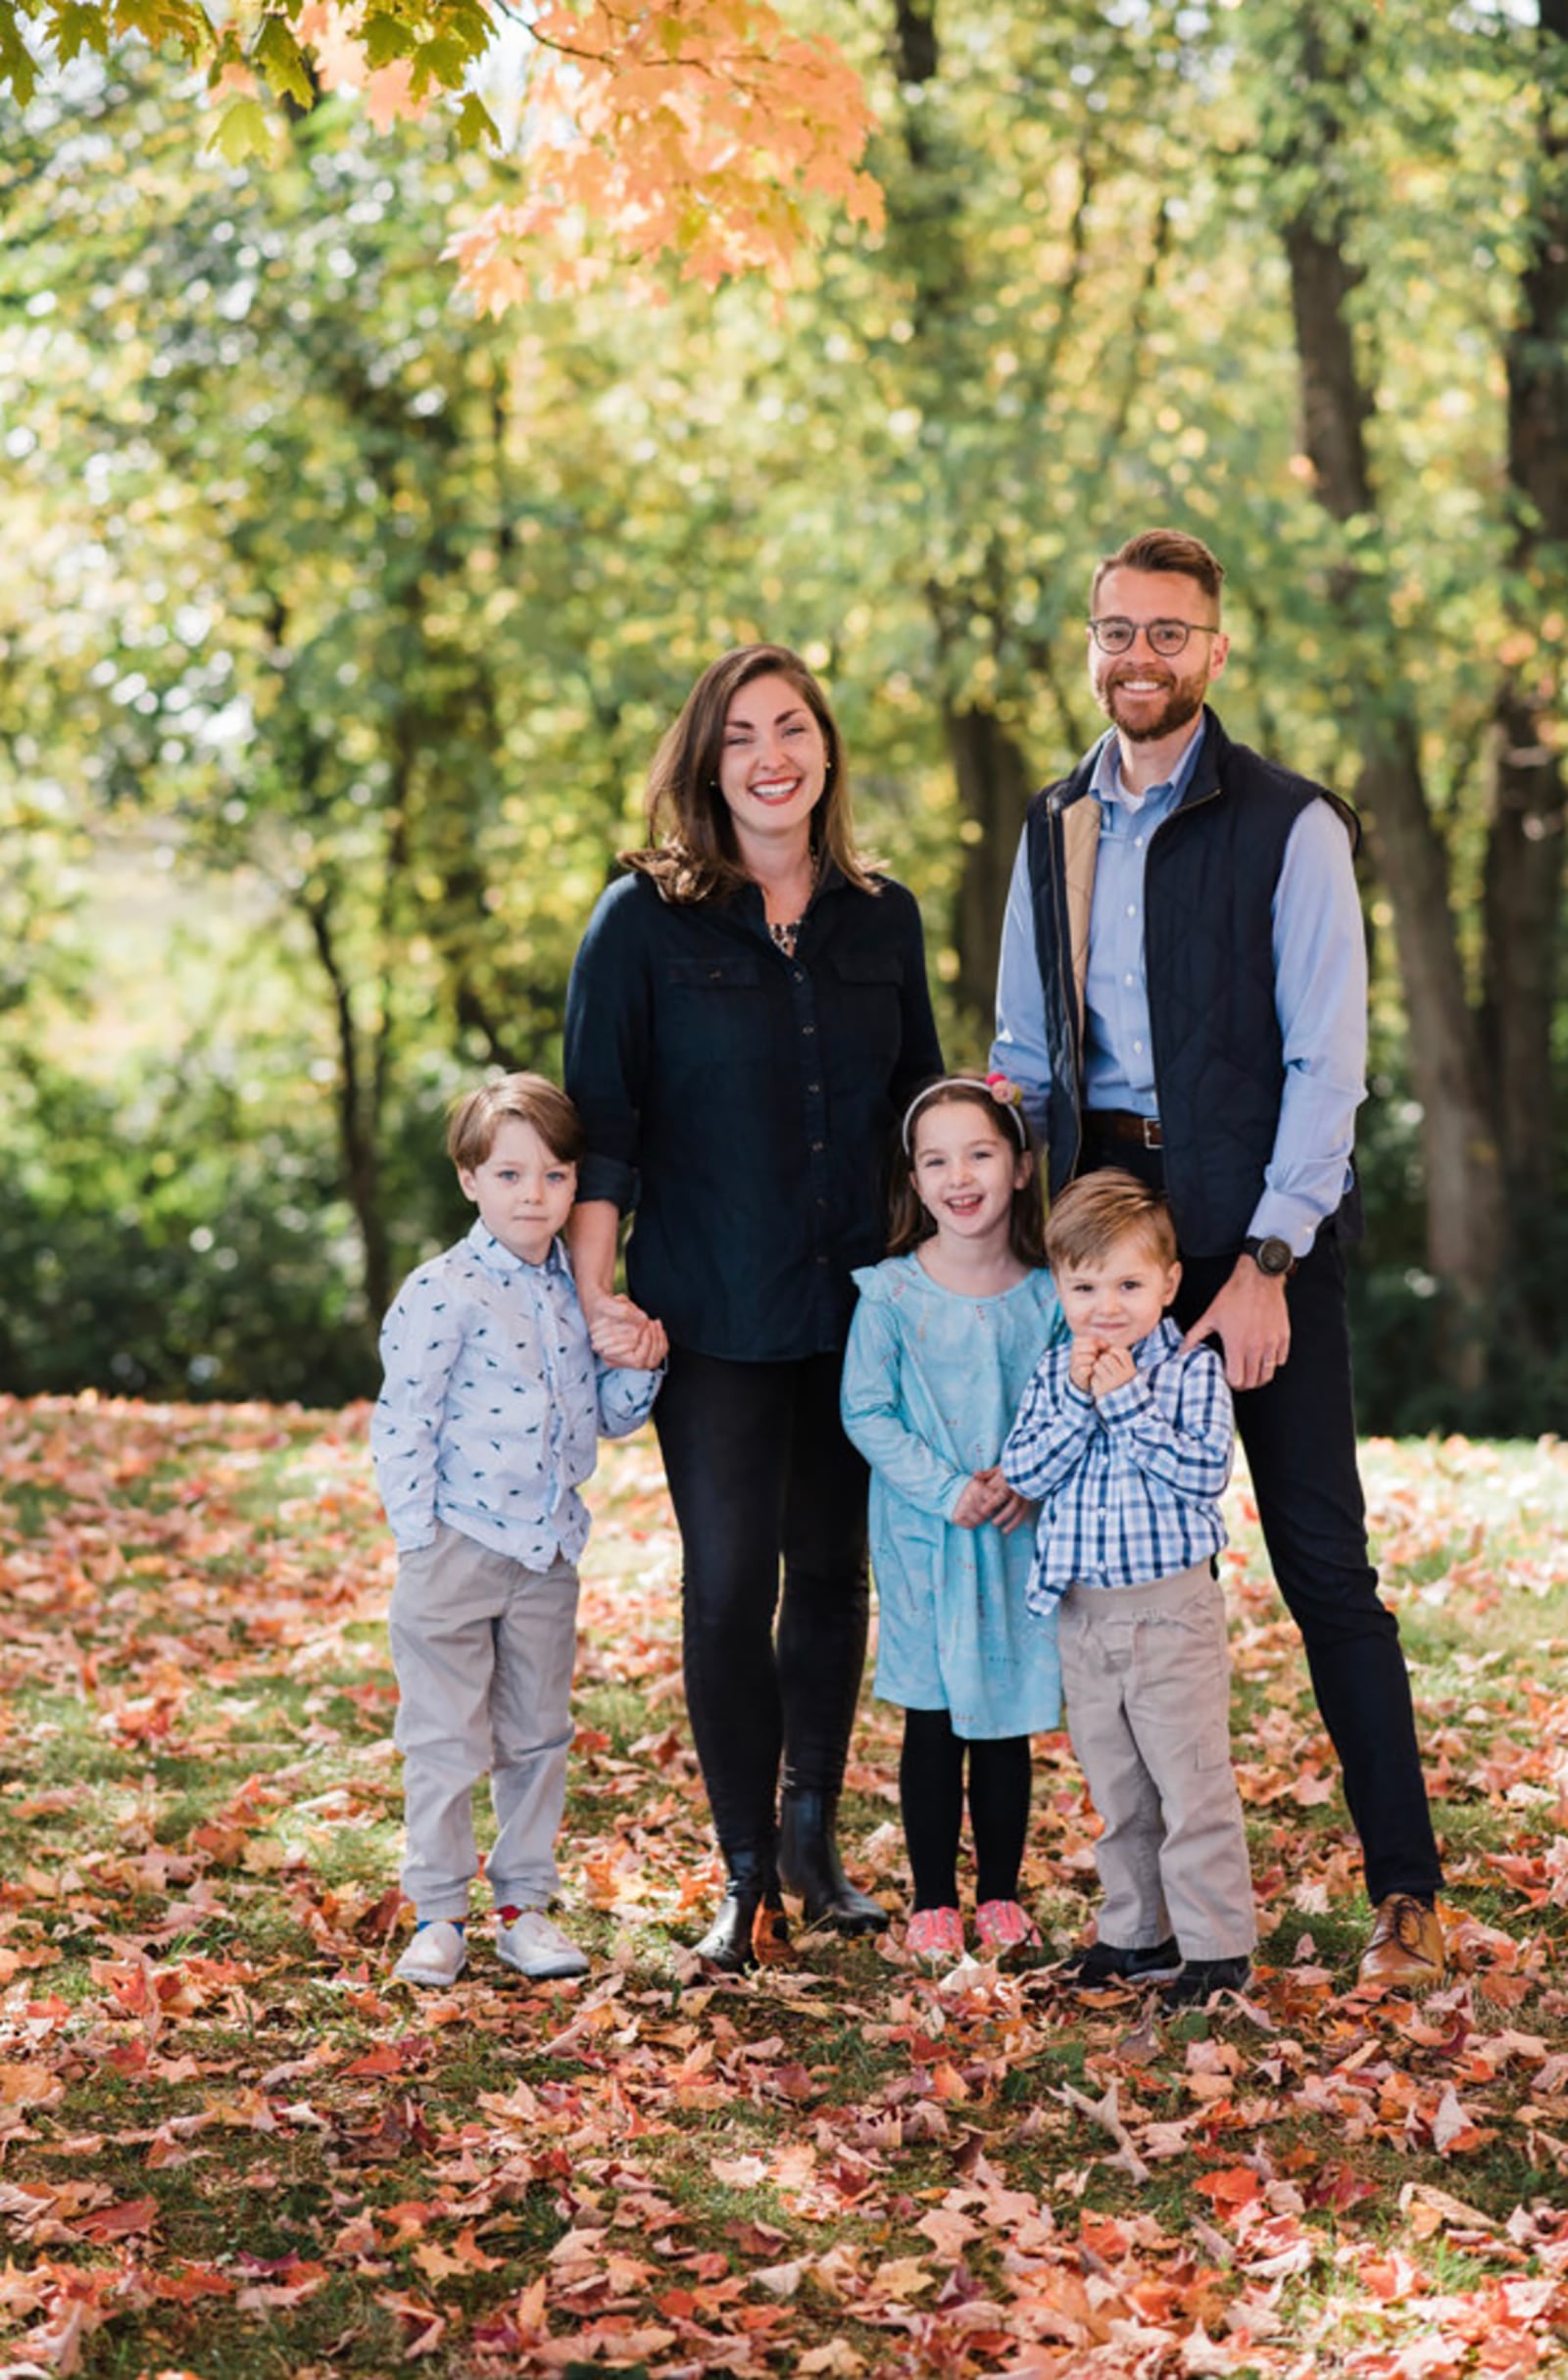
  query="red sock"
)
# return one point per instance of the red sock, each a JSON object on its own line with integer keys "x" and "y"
{"x": 510, "y": 1914}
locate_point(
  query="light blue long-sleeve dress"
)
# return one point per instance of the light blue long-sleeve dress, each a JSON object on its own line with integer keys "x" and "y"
{"x": 931, "y": 1381}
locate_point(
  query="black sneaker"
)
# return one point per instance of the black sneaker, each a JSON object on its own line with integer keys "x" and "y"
{"x": 1201, "y": 1977}
{"x": 1108, "y": 1963}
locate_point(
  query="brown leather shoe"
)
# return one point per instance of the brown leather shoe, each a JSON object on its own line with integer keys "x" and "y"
{"x": 1406, "y": 1945}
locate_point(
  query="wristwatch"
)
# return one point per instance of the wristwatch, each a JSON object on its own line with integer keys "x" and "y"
{"x": 1271, "y": 1255}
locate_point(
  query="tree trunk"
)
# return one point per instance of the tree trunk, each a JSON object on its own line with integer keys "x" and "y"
{"x": 1524, "y": 868}
{"x": 1466, "y": 1229}
{"x": 357, "y": 1128}
{"x": 994, "y": 788}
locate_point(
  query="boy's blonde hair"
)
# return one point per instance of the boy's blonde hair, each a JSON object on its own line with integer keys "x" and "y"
{"x": 526, "y": 1098}
{"x": 1093, "y": 1213}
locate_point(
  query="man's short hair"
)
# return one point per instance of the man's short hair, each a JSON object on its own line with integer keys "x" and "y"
{"x": 1169, "y": 549}
{"x": 1090, "y": 1216}
{"x": 527, "y": 1098}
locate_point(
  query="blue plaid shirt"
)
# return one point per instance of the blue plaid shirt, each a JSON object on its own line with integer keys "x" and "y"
{"x": 1129, "y": 1485}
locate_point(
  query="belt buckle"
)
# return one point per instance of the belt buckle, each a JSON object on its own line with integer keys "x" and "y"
{"x": 1150, "y": 1134}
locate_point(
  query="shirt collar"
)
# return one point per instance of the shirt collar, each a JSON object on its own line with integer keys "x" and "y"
{"x": 500, "y": 1260}
{"x": 1105, "y": 780}
{"x": 1163, "y": 1341}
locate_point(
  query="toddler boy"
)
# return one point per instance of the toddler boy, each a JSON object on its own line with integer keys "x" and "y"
{"x": 1125, "y": 1442}
{"x": 486, "y": 1426}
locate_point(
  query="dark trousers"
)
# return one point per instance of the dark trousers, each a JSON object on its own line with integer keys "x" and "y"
{"x": 758, "y": 1469}
{"x": 931, "y": 1794}
{"x": 1299, "y": 1433}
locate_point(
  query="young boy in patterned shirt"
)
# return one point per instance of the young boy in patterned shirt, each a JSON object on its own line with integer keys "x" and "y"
{"x": 1124, "y": 1440}
{"x": 487, "y": 1425}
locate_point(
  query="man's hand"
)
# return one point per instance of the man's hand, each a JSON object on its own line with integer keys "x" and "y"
{"x": 1113, "y": 1368}
{"x": 1251, "y": 1320}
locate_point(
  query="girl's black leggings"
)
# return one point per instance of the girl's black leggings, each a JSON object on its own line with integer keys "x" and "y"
{"x": 931, "y": 1790}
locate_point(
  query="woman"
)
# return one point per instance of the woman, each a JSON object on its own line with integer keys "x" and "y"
{"x": 746, "y": 1019}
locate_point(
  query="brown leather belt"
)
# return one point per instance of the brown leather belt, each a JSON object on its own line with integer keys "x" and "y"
{"x": 1116, "y": 1124}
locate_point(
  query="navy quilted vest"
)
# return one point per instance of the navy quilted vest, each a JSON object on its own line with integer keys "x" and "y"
{"x": 1209, "y": 955}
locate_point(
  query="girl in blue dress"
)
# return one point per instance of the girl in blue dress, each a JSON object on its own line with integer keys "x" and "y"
{"x": 945, "y": 1338}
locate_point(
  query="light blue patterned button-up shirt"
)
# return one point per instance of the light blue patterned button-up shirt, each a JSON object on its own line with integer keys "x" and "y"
{"x": 494, "y": 1402}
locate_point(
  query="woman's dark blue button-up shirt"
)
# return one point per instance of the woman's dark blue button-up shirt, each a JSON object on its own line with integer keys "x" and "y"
{"x": 744, "y": 1102}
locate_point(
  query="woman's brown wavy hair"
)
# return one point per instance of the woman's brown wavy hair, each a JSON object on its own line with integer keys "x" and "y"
{"x": 691, "y": 852}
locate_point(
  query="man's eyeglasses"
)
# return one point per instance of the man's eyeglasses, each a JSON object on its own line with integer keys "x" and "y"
{"x": 1167, "y": 638}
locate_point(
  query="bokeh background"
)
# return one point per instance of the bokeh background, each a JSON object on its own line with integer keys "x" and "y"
{"x": 338, "y": 624}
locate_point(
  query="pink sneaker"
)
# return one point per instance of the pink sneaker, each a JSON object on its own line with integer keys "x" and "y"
{"x": 935, "y": 1935}
{"x": 1002, "y": 1925}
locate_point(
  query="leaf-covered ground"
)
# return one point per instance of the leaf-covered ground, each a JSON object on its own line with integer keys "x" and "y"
{"x": 233, "y": 2149}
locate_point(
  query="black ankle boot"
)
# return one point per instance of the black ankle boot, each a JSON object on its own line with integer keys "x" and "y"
{"x": 809, "y": 1865}
{"x": 751, "y": 1905}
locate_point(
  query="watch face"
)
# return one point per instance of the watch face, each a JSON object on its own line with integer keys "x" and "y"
{"x": 1274, "y": 1256}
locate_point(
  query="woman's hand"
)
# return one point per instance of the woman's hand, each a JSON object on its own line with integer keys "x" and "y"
{"x": 623, "y": 1334}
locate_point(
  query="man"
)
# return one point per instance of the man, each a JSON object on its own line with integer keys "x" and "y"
{"x": 1183, "y": 991}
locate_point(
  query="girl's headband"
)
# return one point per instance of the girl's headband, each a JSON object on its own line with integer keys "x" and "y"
{"x": 1003, "y": 1094}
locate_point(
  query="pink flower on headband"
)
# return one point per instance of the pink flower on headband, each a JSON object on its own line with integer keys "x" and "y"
{"x": 1005, "y": 1091}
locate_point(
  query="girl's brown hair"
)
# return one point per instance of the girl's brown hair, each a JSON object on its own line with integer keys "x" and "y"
{"x": 691, "y": 852}
{"x": 528, "y": 1099}
{"x": 911, "y": 1220}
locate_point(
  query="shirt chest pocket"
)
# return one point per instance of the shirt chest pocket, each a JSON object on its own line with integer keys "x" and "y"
{"x": 717, "y": 1013}
{"x": 867, "y": 994}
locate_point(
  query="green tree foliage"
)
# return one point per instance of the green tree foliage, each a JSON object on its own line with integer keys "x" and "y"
{"x": 381, "y": 606}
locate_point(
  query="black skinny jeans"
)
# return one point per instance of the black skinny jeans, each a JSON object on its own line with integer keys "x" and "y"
{"x": 759, "y": 1468}
{"x": 1299, "y": 1437}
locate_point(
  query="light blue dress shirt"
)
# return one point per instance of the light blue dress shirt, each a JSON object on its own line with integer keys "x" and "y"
{"x": 931, "y": 1382}
{"x": 1319, "y": 992}
{"x": 494, "y": 1403}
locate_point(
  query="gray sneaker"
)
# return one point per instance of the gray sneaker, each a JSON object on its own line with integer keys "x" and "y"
{"x": 437, "y": 1955}
{"x": 537, "y": 1949}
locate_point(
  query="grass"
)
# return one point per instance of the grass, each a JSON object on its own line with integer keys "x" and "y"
{"x": 233, "y": 2149}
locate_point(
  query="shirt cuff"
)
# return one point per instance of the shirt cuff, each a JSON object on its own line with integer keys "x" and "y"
{"x": 1120, "y": 1404}
{"x": 608, "y": 1178}
{"x": 1279, "y": 1217}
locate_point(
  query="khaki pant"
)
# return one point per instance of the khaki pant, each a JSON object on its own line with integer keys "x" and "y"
{"x": 485, "y": 1652}
{"x": 1146, "y": 1674}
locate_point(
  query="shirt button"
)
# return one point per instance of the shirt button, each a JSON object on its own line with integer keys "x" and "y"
{"x": 1127, "y": 980}
{"x": 1132, "y": 908}
{"x": 1138, "y": 843}
{"x": 806, "y": 1031}
{"x": 813, "y": 1088}
{"x": 817, "y": 1148}
{"x": 1138, "y": 1049}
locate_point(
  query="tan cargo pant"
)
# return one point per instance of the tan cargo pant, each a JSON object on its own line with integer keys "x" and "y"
{"x": 1146, "y": 1674}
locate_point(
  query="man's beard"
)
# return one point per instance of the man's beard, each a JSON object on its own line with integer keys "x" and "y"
{"x": 1184, "y": 700}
